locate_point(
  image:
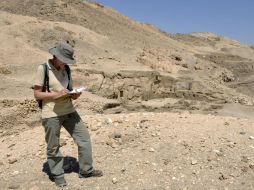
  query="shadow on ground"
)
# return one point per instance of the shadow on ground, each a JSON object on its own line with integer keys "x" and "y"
{"x": 70, "y": 165}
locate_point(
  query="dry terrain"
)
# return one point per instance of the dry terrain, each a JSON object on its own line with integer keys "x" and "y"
{"x": 165, "y": 111}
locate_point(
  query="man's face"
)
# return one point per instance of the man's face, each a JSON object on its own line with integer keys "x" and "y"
{"x": 59, "y": 64}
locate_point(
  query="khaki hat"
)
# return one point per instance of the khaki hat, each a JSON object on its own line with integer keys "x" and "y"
{"x": 64, "y": 52}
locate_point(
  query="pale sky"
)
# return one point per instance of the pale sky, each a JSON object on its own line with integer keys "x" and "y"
{"x": 230, "y": 18}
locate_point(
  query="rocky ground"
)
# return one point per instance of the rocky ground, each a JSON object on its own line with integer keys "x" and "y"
{"x": 141, "y": 151}
{"x": 165, "y": 111}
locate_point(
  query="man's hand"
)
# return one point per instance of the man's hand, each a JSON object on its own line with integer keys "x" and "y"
{"x": 75, "y": 96}
{"x": 59, "y": 94}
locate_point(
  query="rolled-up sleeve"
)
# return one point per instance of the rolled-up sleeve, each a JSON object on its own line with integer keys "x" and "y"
{"x": 39, "y": 77}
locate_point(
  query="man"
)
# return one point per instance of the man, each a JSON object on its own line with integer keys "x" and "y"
{"x": 58, "y": 110}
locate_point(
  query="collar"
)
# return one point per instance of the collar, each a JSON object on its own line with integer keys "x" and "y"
{"x": 51, "y": 66}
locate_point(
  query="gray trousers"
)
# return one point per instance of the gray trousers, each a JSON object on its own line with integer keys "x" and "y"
{"x": 76, "y": 128}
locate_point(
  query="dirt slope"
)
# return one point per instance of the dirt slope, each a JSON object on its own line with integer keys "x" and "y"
{"x": 129, "y": 68}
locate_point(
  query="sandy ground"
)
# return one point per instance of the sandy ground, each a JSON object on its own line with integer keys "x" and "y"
{"x": 142, "y": 151}
{"x": 129, "y": 68}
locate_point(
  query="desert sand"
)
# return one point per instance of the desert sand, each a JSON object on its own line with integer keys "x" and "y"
{"x": 165, "y": 111}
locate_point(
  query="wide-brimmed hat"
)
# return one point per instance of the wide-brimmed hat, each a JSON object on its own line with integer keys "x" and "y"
{"x": 64, "y": 52}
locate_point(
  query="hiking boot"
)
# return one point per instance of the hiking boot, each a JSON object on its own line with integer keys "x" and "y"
{"x": 94, "y": 173}
{"x": 60, "y": 182}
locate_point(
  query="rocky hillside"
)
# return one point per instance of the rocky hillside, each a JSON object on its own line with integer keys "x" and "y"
{"x": 127, "y": 67}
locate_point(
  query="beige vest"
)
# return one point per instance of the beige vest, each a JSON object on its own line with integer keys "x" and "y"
{"x": 58, "y": 80}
